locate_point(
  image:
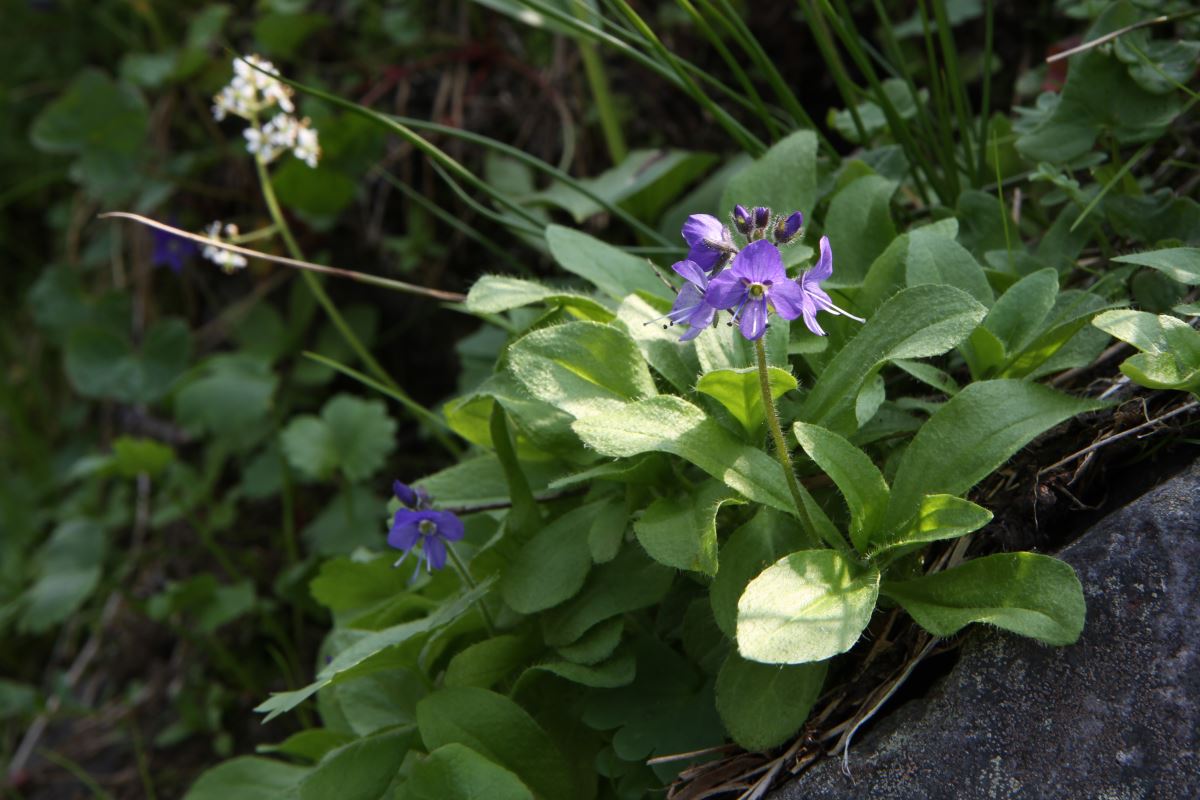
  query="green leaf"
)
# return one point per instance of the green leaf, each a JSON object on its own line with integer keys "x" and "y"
{"x": 493, "y": 294}
{"x": 674, "y": 360}
{"x": 69, "y": 567}
{"x": 740, "y": 391}
{"x": 229, "y": 395}
{"x": 670, "y": 424}
{"x": 101, "y": 362}
{"x": 352, "y": 435}
{"x": 763, "y": 705}
{"x": 580, "y": 366}
{"x": 608, "y": 530}
{"x": 344, "y": 584}
{"x": 551, "y": 567}
{"x": 617, "y": 671}
{"x": 248, "y": 778}
{"x": 456, "y": 772}
{"x": 609, "y": 269}
{"x": 785, "y": 178}
{"x": 969, "y": 437}
{"x": 308, "y": 745}
{"x": 937, "y": 259}
{"x": 1033, "y": 595}
{"x": 870, "y": 398}
{"x": 1141, "y": 329}
{"x": 485, "y": 663}
{"x": 496, "y": 727}
{"x": 1017, "y": 317}
{"x": 1099, "y": 95}
{"x": 16, "y": 700}
{"x": 941, "y": 516}
{"x": 807, "y": 606}
{"x": 370, "y": 653}
{"x": 919, "y": 322}
{"x": 628, "y": 582}
{"x": 682, "y": 532}
{"x": 859, "y": 480}
{"x": 859, "y": 226}
{"x": 1179, "y": 263}
{"x": 135, "y": 456}
{"x": 597, "y": 644}
{"x": 281, "y": 34}
{"x": 360, "y": 770}
{"x": 104, "y": 124}
{"x": 767, "y": 537}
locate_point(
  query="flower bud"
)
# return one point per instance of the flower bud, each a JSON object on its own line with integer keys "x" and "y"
{"x": 787, "y": 227}
{"x": 762, "y": 218}
{"x": 742, "y": 220}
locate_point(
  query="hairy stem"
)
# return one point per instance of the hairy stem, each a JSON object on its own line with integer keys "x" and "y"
{"x": 782, "y": 455}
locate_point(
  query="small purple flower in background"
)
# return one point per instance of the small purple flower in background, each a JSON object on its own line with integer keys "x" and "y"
{"x": 708, "y": 240}
{"x": 416, "y": 523}
{"x": 171, "y": 250}
{"x": 788, "y": 227}
{"x": 814, "y": 297}
{"x": 753, "y": 286}
{"x": 690, "y": 306}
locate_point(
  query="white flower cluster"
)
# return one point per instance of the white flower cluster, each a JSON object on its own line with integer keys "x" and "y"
{"x": 225, "y": 259}
{"x": 282, "y": 133}
{"x": 253, "y": 91}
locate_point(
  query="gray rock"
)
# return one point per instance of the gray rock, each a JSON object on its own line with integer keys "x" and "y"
{"x": 1116, "y": 715}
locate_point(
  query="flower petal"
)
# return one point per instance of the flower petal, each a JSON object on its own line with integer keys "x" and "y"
{"x": 449, "y": 526}
{"x": 405, "y": 531}
{"x": 754, "y": 319}
{"x": 691, "y": 272}
{"x": 699, "y": 227}
{"x": 759, "y": 262}
{"x": 809, "y": 309}
{"x": 435, "y": 552}
{"x": 725, "y": 291}
{"x": 788, "y": 299}
{"x": 823, "y": 268}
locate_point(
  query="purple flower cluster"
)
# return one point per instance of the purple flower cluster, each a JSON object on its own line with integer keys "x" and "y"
{"x": 756, "y": 282}
{"x": 417, "y": 523}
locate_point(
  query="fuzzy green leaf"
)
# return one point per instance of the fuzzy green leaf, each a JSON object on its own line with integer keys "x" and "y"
{"x": 969, "y": 437}
{"x": 763, "y": 705}
{"x": 859, "y": 480}
{"x": 941, "y": 516}
{"x": 919, "y": 322}
{"x": 740, "y": 391}
{"x": 1033, "y": 595}
{"x": 552, "y": 566}
{"x": 496, "y": 727}
{"x": 456, "y": 772}
{"x": 609, "y": 269}
{"x": 807, "y": 606}
{"x": 682, "y": 532}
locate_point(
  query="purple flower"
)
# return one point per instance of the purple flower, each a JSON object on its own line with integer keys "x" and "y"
{"x": 690, "y": 306}
{"x": 171, "y": 250}
{"x": 753, "y": 286}
{"x": 431, "y": 529}
{"x": 787, "y": 227}
{"x": 814, "y": 297}
{"x": 708, "y": 240}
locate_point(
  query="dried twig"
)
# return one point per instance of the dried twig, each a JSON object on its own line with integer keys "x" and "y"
{"x": 1118, "y": 436}
{"x": 1108, "y": 37}
{"x": 361, "y": 277}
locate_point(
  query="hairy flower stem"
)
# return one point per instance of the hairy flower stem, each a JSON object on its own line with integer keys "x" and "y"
{"x": 335, "y": 316}
{"x": 781, "y": 453}
{"x": 465, "y": 576}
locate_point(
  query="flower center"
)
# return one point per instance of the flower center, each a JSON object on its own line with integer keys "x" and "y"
{"x": 756, "y": 290}
{"x": 427, "y": 527}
